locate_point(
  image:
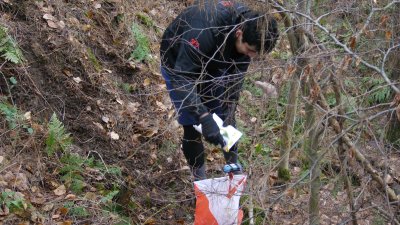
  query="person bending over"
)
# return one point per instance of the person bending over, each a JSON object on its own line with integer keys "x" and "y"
{"x": 205, "y": 53}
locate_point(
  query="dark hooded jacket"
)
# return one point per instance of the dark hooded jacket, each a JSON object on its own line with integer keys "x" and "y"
{"x": 199, "y": 54}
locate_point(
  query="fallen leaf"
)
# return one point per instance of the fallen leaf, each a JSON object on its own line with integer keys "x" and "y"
{"x": 153, "y": 12}
{"x": 70, "y": 197}
{"x": 34, "y": 189}
{"x": 98, "y": 125}
{"x": 150, "y": 132}
{"x": 114, "y": 135}
{"x": 291, "y": 193}
{"x": 185, "y": 168}
{"x": 38, "y": 200}
{"x": 146, "y": 82}
{"x": 73, "y": 20}
{"x": 20, "y": 181}
{"x": 150, "y": 221}
{"x": 269, "y": 89}
{"x": 90, "y": 14}
{"x": 27, "y": 115}
{"x": 388, "y": 179}
{"x": 90, "y": 196}
{"x": 290, "y": 70}
{"x": 105, "y": 119}
{"x": 120, "y": 101}
{"x": 68, "y": 222}
{"x": 37, "y": 217}
{"x": 388, "y": 35}
{"x": 63, "y": 210}
{"x": 61, "y": 24}
{"x": 358, "y": 61}
{"x": 352, "y": 42}
{"x": 61, "y": 190}
{"x": 180, "y": 222}
{"x": 77, "y": 79}
{"x": 86, "y": 27}
{"x": 67, "y": 73}
{"x": 52, "y": 24}
{"x": 48, "y": 17}
{"x": 48, "y": 207}
{"x": 384, "y": 19}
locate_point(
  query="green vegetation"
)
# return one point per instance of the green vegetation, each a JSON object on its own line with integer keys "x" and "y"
{"x": 13, "y": 201}
{"x": 94, "y": 60}
{"x": 13, "y": 117}
{"x": 284, "y": 174}
{"x": 380, "y": 92}
{"x": 9, "y": 49}
{"x": 72, "y": 171}
{"x": 57, "y": 137}
{"x": 142, "y": 50}
{"x": 11, "y": 114}
{"x": 77, "y": 211}
{"x": 145, "y": 19}
{"x": 126, "y": 87}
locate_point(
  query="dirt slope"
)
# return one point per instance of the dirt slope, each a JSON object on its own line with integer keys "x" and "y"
{"x": 115, "y": 109}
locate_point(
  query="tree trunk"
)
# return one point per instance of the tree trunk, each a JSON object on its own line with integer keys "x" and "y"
{"x": 393, "y": 131}
{"x": 311, "y": 136}
{"x": 310, "y": 148}
{"x": 336, "y": 82}
{"x": 315, "y": 171}
{"x": 296, "y": 39}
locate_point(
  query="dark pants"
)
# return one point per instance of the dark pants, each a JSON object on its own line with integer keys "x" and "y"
{"x": 193, "y": 149}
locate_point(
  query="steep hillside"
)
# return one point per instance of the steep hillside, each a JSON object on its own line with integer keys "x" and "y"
{"x": 79, "y": 63}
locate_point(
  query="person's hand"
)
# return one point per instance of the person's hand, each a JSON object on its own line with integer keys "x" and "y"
{"x": 211, "y": 131}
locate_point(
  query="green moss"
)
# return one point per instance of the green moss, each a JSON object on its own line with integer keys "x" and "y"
{"x": 145, "y": 19}
{"x": 284, "y": 174}
{"x": 93, "y": 59}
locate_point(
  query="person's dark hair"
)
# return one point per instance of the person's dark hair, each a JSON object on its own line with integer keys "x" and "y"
{"x": 252, "y": 31}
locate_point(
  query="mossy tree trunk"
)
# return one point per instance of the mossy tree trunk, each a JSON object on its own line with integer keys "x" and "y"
{"x": 312, "y": 133}
{"x": 297, "y": 40}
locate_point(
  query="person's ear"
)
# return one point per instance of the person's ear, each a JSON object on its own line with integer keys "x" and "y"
{"x": 238, "y": 33}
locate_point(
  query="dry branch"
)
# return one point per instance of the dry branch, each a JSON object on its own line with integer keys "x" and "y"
{"x": 355, "y": 151}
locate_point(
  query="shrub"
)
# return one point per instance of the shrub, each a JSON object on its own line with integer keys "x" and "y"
{"x": 9, "y": 49}
{"x": 57, "y": 137}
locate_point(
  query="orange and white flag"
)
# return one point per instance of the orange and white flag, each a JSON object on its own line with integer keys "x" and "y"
{"x": 218, "y": 200}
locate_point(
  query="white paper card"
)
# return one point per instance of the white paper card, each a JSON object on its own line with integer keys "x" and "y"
{"x": 230, "y": 134}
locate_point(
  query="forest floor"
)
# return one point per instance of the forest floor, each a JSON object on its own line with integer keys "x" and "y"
{"x": 124, "y": 165}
